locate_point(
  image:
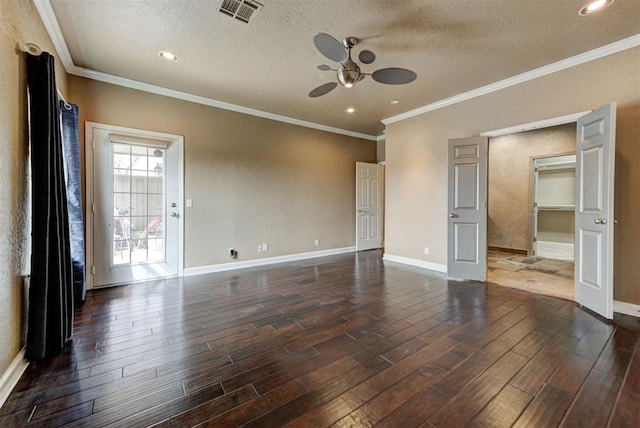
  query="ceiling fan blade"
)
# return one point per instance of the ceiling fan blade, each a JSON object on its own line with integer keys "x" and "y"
{"x": 394, "y": 76}
{"x": 366, "y": 57}
{"x": 323, "y": 89}
{"x": 325, "y": 67}
{"x": 330, "y": 47}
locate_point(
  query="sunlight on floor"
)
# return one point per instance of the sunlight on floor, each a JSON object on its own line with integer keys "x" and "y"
{"x": 530, "y": 273}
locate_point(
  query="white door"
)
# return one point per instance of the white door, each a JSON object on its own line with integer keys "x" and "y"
{"x": 467, "y": 209}
{"x": 595, "y": 161}
{"x": 369, "y": 196}
{"x": 135, "y": 200}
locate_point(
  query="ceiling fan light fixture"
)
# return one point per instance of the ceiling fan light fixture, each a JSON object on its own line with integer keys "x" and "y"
{"x": 349, "y": 74}
{"x": 595, "y": 7}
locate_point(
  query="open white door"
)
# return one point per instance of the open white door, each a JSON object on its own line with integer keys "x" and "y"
{"x": 467, "y": 223}
{"x": 369, "y": 196}
{"x": 595, "y": 161}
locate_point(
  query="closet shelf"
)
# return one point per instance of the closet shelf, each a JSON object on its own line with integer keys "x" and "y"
{"x": 556, "y": 207}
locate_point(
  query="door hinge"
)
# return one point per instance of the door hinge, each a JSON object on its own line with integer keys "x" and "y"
{"x": 93, "y": 207}
{"x": 535, "y": 239}
{"x": 93, "y": 270}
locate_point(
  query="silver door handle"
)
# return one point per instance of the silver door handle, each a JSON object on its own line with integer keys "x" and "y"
{"x": 175, "y": 214}
{"x": 453, "y": 215}
{"x": 600, "y": 220}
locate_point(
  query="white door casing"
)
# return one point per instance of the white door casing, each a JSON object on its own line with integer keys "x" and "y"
{"x": 467, "y": 209}
{"x": 595, "y": 167}
{"x": 369, "y": 197}
{"x": 116, "y": 252}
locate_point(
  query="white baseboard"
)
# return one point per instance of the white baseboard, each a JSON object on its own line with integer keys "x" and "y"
{"x": 263, "y": 262}
{"x": 415, "y": 262}
{"x": 626, "y": 308}
{"x": 11, "y": 377}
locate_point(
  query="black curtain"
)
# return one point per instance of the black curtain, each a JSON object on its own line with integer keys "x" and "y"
{"x": 71, "y": 151}
{"x": 50, "y": 315}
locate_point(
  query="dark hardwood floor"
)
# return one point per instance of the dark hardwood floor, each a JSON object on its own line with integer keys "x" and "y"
{"x": 344, "y": 340}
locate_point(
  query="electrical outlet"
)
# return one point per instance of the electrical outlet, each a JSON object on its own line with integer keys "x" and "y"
{"x": 426, "y": 251}
{"x": 265, "y": 247}
{"x": 317, "y": 242}
{"x": 259, "y": 248}
{"x": 189, "y": 203}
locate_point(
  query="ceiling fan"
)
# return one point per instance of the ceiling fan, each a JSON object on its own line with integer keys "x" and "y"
{"x": 349, "y": 73}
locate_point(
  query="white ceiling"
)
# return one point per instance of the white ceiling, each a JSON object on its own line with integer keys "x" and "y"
{"x": 270, "y": 64}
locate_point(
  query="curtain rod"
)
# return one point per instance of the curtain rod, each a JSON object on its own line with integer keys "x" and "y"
{"x": 34, "y": 49}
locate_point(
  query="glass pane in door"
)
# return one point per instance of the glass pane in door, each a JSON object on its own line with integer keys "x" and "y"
{"x": 138, "y": 200}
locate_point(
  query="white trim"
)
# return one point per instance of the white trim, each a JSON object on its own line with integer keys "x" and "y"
{"x": 11, "y": 377}
{"x": 381, "y": 137}
{"x": 626, "y": 308}
{"x": 415, "y": 262}
{"x": 594, "y": 54}
{"x": 266, "y": 261}
{"x": 146, "y": 87}
{"x": 53, "y": 28}
{"x": 546, "y": 123}
{"x": 90, "y": 198}
{"x": 55, "y": 33}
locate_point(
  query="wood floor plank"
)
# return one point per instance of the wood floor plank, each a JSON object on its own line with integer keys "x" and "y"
{"x": 342, "y": 340}
{"x": 503, "y": 409}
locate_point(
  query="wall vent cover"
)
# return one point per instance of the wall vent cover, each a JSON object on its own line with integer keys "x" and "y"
{"x": 243, "y": 10}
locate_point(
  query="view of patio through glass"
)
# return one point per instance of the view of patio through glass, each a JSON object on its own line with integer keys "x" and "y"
{"x": 138, "y": 201}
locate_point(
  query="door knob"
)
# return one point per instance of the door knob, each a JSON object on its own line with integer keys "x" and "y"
{"x": 453, "y": 215}
{"x": 173, "y": 205}
{"x": 175, "y": 214}
{"x": 600, "y": 220}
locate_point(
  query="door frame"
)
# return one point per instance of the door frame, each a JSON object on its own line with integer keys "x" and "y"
{"x": 533, "y": 179}
{"x": 90, "y": 197}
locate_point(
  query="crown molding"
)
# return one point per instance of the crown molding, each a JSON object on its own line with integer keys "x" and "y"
{"x": 55, "y": 33}
{"x": 159, "y": 90}
{"x": 594, "y": 54}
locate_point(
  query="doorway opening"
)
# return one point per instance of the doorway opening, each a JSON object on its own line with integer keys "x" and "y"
{"x": 531, "y": 209}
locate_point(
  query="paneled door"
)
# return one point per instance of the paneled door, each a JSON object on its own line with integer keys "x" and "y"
{"x": 467, "y": 209}
{"x": 595, "y": 165}
{"x": 135, "y": 202}
{"x": 369, "y": 196}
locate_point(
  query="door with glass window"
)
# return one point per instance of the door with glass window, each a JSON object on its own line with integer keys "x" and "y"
{"x": 135, "y": 207}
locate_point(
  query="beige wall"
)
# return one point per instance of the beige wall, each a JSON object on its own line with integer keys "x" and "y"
{"x": 509, "y": 191}
{"x": 416, "y": 156}
{"x": 19, "y": 24}
{"x": 252, "y": 180}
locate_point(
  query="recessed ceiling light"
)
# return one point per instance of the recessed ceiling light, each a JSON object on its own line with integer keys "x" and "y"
{"x": 394, "y": 101}
{"x": 350, "y": 110}
{"x": 595, "y": 6}
{"x": 168, "y": 56}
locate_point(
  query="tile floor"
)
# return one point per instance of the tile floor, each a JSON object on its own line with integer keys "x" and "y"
{"x": 530, "y": 273}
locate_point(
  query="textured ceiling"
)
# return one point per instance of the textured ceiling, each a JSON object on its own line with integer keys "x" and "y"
{"x": 270, "y": 64}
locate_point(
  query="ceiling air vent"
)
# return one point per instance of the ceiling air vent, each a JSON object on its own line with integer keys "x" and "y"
{"x": 242, "y": 10}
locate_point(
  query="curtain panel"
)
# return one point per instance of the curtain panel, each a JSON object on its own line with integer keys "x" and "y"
{"x": 71, "y": 150}
{"x": 50, "y": 313}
